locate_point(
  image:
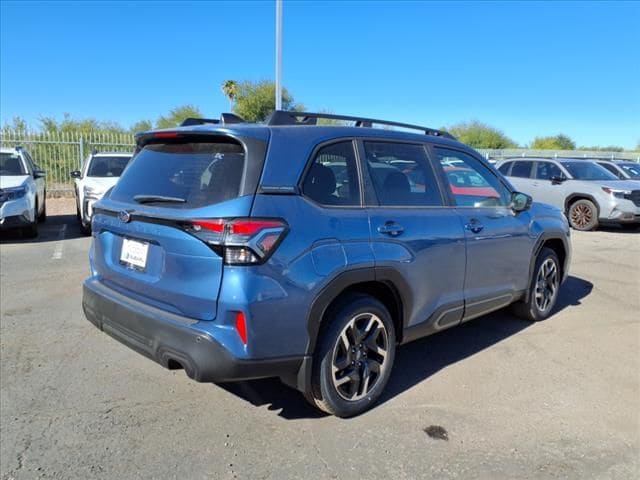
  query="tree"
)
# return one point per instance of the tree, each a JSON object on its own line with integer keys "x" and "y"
{"x": 480, "y": 135}
{"x": 255, "y": 101}
{"x": 558, "y": 142}
{"x": 141, "y": 126}
{"x": 230, "y": 90}
{"x": 177, "y": 116}
{"x": 609, "y": 148}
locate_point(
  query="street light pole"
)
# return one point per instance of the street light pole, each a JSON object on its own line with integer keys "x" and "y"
{"x": 278, "y": 54}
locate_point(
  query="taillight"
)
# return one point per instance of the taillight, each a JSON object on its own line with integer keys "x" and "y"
{"x": 240, "y": 241}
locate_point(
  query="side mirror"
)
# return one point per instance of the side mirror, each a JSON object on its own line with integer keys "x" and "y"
{"x": 556, "y": 180}
{"x": 520, "y": 202}
{"x": 75, "y": 174}
{"x": 39, "y": 174}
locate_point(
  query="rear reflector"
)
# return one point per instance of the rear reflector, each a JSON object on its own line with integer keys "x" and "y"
{"x": 241, "y": 327}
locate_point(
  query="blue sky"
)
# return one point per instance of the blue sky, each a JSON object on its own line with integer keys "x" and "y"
{"x": 527, "y": 68}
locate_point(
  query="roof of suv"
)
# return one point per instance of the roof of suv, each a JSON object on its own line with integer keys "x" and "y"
{"x": 10, "y": 150}
{"x": 112, "y": 154}
{"x": 289, "y": 121}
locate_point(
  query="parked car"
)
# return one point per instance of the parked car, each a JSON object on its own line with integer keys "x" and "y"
{"x": 23, "y": 192}
{"x": 624, "y": 170}
{"x": 100, "y": 171}
{"x": 228, "y": 250}
{"x": 588, "y": 193}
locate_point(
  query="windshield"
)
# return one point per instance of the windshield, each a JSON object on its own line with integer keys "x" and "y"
{"x": 581, "y": 170}
{"x": 102, "y": 166}
{"x": 632, "y": 169}
{"x": 183, "y": 175}
{"x": 11, "y": 164}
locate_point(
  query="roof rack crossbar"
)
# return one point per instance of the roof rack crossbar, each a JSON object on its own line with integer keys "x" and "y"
{"x": 281, "y": 117}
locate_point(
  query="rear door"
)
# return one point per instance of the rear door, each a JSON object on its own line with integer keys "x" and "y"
{"x": 414, "y": 233}
{"x": 520, "y": 177}
{"x": 144, "y": 244}
{"x": 40, "y": 182}
{"x": 498, "y": 242}
{"x": 548, "y": 186}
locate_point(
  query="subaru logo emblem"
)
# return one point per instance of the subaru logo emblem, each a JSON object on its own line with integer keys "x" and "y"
{"x": 124, "y": 216}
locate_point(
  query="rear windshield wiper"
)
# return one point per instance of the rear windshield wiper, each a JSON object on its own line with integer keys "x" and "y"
{"x": 158, "y": 198}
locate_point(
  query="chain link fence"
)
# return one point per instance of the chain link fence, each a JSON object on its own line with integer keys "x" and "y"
{"x": 60, "y": 153}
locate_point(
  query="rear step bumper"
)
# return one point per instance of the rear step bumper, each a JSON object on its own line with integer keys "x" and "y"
{"x": 167, "y": 338}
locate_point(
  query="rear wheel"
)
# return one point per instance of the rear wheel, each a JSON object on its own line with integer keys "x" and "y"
{"x": 583, "y": 215}
{"x": 543, "y": 292}
{"x": 354, "y": 358}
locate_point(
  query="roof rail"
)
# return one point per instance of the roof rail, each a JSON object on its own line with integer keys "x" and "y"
{"x": 225, "y": 119}
{"x": 281, "y": 117}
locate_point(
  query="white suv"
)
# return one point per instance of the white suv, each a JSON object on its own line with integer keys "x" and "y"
{"x": 22, "y": 192}
{"x": 99, "y": 173}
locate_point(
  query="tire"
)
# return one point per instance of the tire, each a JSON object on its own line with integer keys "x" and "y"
{"x": 543, "y": 289}
{"x": 31, "y": 231}
{"x": 583, "y": 215}
{"x": 351, "y": 349}
{"x": 43, "y": 216}
{"x": 85, "y": 229}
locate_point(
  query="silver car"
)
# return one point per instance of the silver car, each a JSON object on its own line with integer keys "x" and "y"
{"x": 588, "y": 194}
{"x": 623, "y": 169}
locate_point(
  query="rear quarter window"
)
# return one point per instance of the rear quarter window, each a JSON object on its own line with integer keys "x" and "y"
{"x": 197, "y": 173}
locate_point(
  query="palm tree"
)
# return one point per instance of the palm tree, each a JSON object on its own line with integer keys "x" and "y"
{"x": 230, "y": 90}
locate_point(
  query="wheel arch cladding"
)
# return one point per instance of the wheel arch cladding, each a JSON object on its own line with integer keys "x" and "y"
{"x": 361, "y": 281}
{"x": 557, "y": 246}
{"x": 571, "y": 199}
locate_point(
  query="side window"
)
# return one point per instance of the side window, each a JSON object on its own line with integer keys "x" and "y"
{"x": 402, "y": 174}
{"x": 333, "y": 176}
{"x": 472, "y": 184}
{"x": 522, "y": 169}
{"x": 505, "y": 167}
{"x": 547, "y": 170}
{"x": 611, "y": 168}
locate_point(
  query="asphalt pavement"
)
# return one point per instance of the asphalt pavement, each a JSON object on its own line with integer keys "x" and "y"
{"x": 497, "y": 398}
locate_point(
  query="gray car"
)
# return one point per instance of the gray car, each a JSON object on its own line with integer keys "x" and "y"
{"x": 623, "y": 169}
{"x": 588, "y": 193}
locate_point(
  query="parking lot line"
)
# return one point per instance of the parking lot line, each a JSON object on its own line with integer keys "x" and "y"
{"x": 59, "y": 249}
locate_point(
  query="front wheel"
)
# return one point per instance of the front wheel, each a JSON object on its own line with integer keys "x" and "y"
{"x": 354, "y": 358}
{"x": 43, "y": 216}
{"x": 543, "y": 292}
{"x": 583, "y": 215}
{"x": 31, "y": 231}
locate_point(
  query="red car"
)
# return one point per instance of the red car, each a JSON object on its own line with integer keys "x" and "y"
{"x": 465, "y": 181}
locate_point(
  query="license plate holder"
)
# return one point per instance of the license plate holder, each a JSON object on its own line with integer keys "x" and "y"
{"x": 134, "y": 254}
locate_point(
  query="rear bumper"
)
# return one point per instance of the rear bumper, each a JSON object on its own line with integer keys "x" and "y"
{"x": 171, "y": 340}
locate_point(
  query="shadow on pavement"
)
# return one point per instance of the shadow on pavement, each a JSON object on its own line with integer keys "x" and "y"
{"x": 48, "y": 231}
{"x": 416, "y": 361}
{"x": 629, "y": 228}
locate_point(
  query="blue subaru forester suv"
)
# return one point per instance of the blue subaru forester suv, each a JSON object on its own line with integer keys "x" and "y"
{"x": 309, "y": 252}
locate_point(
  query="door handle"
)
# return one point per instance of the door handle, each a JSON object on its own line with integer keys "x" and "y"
{"x": 391, "y": 228}
{"x": 474, "y": 226}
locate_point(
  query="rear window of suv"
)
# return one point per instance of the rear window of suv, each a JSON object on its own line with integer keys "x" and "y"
{"x": 183, "y": 175}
